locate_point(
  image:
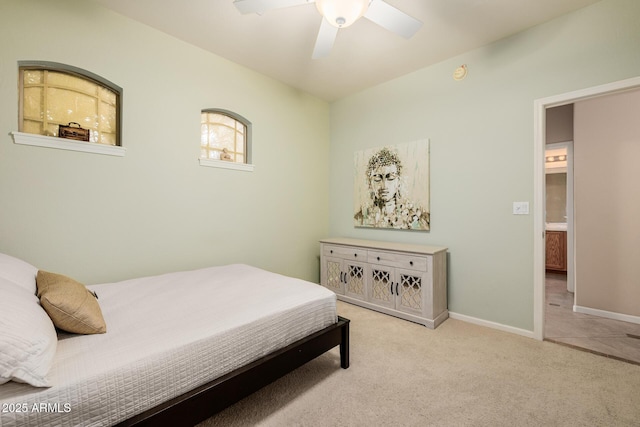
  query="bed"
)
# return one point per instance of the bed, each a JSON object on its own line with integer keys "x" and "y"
{"x": 178, "y": 347}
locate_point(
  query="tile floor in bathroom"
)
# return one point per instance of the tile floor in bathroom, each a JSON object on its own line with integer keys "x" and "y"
{"x": 607, "y": 337}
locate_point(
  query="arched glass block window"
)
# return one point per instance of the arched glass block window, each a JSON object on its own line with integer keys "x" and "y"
{"x": 224, "y": 136}
{"x": 54, "y": 95}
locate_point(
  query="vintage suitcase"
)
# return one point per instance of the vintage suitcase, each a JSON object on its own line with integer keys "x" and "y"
{"x": 73, "y": 132}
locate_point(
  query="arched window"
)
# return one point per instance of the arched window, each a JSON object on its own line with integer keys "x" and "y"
{"x": 54, "y": 95}
{"x": 225, "y": 136}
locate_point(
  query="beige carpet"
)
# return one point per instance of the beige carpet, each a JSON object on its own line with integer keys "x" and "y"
{"x": 403, "y": 374}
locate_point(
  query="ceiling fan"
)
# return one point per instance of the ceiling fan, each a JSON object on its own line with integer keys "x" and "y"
{"x": 340, "y": 14}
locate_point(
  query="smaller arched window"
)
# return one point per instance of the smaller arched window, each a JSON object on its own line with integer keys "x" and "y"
{"x": 225, "y": 136}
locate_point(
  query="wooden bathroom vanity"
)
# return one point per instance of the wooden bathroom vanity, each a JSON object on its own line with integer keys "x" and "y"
{"x": 556, "y": 250}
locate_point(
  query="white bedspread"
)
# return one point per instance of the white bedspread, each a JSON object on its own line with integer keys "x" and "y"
{"x": 166, "y": 335}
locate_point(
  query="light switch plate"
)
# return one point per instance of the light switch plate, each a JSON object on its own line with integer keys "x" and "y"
{"x": 521, "y": 208}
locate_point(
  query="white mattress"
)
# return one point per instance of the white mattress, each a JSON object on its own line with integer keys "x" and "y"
{"x": 166, "y": 335}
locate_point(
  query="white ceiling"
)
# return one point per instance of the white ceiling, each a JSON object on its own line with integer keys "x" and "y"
{"x": 279, "y": 43}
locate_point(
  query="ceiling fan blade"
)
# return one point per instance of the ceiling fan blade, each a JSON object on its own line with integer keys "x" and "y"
{"x": 395, "y": 20}
{"x": 261, "y": 6}
{"x": 324, "y": 42}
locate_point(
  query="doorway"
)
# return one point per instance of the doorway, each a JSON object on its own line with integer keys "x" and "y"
{"x": 540, "y": 109}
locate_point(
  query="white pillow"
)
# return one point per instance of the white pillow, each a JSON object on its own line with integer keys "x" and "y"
{"x": 28, "y": 338}
{"x": 19, "y": 272}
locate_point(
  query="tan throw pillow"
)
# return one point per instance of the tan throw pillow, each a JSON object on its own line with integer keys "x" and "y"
{"x": 71, "y": 306}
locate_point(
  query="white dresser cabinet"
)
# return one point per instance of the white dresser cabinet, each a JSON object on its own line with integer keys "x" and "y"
{"x": 407, "y": 281}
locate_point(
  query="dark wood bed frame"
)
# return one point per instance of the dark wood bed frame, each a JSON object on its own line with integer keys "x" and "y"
{"x": 211, "y": 398}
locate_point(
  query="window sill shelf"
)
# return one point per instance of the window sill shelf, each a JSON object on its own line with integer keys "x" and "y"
{"x": 66, "y": 144}
{"x": 226, "y": 165}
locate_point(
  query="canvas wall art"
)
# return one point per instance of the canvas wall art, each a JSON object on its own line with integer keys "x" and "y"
{"x": 391, "y": 188}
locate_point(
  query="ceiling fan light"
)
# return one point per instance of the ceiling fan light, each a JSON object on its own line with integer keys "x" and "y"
{"x": 342, "y": 13}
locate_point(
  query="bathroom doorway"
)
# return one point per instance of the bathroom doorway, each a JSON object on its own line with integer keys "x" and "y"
{"x": 540, "y": 114}
{"x": 568, "y": 318}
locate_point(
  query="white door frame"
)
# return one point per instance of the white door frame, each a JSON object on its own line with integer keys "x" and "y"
{"x": 539, "y": 121}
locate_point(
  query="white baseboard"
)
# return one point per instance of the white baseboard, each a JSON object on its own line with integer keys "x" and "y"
{"x": 607, "y": 314}
{"x": 492, "y": 325}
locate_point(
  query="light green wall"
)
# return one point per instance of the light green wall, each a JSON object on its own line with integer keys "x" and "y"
{"x": 101, "y": 218}
{"x": 481, "y": 133}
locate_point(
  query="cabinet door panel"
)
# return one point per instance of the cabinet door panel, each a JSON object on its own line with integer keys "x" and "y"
{"x": 355, "y": 276}
{"x": 410, "y": 292}
{"x": 556, "y": 249}
{"x": 334, "y": 275}
{"x": 381, "y": 286}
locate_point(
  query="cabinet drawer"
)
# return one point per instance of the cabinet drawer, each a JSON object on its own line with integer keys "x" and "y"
{"x": 345, "y": 252}
{"x": 411, "y": 262}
